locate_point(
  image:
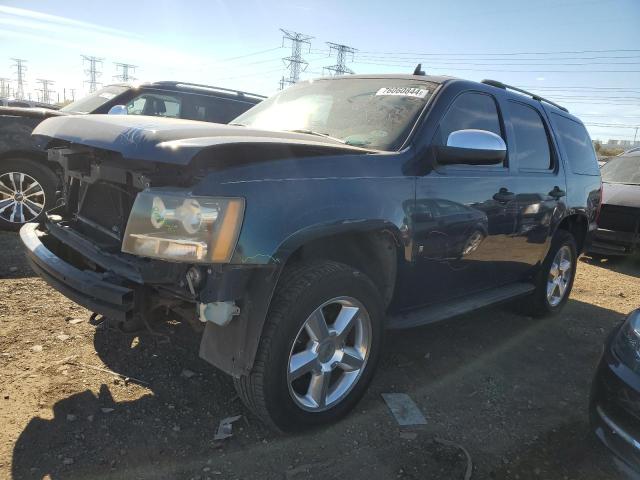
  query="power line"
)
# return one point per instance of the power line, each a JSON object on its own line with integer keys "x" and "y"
{"x": 229, "y": 59}
{"x": 92, "y": 71}
{"x": 496, "y": 54}
{"x": 342, "y": 51}
{"x": 498, "y": 70}
{"x": 403, "y": 61}
{"x": 21, "y": 68}
{"x": 126, "y": 71}
{"x": 45, "y": 92}
{"x": 295, "y": 63}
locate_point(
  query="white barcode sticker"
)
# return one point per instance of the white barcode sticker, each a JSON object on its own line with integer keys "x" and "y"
{"x": 403, "y": 91}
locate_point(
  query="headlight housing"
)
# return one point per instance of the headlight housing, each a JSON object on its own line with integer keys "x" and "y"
{"x": 626, "y": 345}
{"x": 173, "y": 225}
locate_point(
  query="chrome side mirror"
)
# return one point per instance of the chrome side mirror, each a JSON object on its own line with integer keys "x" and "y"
{"x": 118, "y": 110}
{"x": 472, "y": 147}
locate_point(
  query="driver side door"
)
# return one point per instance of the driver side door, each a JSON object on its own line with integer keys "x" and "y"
{"x": 477, "y": 211}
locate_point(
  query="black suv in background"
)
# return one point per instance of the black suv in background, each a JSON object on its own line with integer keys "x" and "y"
{"x": 320, "y": 217}
{"x": 28, "y": 183}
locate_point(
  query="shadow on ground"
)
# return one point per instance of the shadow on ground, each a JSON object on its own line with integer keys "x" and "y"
{"x": 512, "y": 390}
{"x": 13, "y": 264}
{"x": 628, "y": 265}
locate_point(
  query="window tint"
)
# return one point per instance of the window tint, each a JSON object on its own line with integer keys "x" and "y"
{"x": 532, "y": 144}
{"x": 469, "y": 111}
{"x": 155, "y": 104}
{"x": 576, "y": 144}
{"x": 212, "y": 109}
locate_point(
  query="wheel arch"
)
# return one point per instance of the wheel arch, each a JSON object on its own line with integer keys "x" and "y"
{"x": 233, "y": 348}
{"x": 373, "y": 249}
{"x": 35, "y": 156}
{"x": 578, "y": 225}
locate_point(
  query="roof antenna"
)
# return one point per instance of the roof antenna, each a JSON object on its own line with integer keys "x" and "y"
{"x": 418, "y": 70}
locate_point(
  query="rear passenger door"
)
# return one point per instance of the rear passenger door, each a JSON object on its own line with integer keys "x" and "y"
{"x": 541, "y": 186}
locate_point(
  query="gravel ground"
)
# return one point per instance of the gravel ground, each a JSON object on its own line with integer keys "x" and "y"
{"x": 511, "y": 390}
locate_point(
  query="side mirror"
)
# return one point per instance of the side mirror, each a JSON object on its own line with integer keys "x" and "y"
{"x": 118, "y": 110}
{"x": 472, "y": 147}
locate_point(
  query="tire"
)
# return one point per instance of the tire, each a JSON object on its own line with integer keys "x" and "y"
{"x": 269, "y": 391}
{"x": 539, "y": 304}
{"x": 17, "y": 175}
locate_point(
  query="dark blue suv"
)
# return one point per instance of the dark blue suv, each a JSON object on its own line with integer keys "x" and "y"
{"x": 294, "y": 236}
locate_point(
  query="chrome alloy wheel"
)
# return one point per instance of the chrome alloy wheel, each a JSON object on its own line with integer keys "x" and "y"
{"x": 329, "y": 354}
{"x": 473, "y": 242}
{"x": 22, "y": 198}
{"x": 559, "y": 276}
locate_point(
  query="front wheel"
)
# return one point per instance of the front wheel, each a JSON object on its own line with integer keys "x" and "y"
{"x": 319, "y": 347}
{"x": 555, "y": 278}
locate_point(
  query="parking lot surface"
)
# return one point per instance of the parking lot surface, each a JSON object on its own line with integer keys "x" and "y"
{"x": 512, "y": 390}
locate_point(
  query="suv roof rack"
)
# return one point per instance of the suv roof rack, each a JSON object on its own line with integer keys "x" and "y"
{"x": 504, "y": 86}
{"x": 208, "y": 87}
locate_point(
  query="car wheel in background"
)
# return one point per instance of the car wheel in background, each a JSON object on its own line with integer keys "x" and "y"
{"x": 27, "y": 191}
{"x": 319, "y": 347}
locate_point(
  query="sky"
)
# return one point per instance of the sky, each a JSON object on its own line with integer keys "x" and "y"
{"x": 584, "y": 54}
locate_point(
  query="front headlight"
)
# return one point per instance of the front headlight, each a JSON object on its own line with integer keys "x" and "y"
{"x": 175, "y": 226}
{"x": 626, "y": 345}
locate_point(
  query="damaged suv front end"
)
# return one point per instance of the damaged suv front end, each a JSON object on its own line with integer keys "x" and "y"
{"x": 151, "y": 221}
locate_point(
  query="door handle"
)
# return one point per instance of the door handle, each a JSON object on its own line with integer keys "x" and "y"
{"x": 557, "y": 192}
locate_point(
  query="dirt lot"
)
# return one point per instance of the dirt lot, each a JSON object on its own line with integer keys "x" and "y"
{"x": 513, "y": 391}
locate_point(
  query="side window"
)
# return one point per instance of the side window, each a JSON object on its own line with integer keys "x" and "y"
{"x": 469, "y": 111}
{"x": 154, "y": 104}
{"x": 576, "y": 144}
{"x": 213, "y": 109}
{"x": 532, "y": 151}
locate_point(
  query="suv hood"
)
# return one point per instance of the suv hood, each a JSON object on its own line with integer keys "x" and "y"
{"x": 168, "y": 140}
{"x": 31, "y": 112}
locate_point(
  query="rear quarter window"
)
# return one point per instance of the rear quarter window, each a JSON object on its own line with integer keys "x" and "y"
{"x": 576, "y": 144}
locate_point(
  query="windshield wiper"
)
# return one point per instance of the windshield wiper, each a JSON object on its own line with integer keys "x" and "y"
{"x": 318, "y": 134}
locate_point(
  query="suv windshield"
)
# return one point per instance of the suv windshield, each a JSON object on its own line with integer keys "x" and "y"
{"x": 372, "y": 112}
{"x": 622, "y": 170}
{"x": 89, "y": 103}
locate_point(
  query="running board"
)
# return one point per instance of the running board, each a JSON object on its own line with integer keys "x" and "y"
{"x": 453, "y": 308}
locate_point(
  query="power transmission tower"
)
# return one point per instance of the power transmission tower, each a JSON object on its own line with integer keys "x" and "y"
{"x": 4, "y": 87}
{"x": 92, "y": 71}
{"x": 126, "y": 69}
{"x": 21, "y": 68}
{"x": 342, "y": 51}
{"x": 45, "y": 91}
{"x": 295, "y": 63}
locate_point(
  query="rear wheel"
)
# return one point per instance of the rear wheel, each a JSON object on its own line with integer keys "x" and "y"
{"x": 319, "y": 348}
{"x": 27, "y": 191}
{"x": 555, "y": 278}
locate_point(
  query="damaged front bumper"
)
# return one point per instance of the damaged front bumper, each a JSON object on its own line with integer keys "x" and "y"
{"x": 127, "y": 289}
{"x": 89, "y": 289}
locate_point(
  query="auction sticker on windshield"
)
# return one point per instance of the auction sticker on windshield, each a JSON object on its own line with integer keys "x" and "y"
{"x": 403, "y": 91}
